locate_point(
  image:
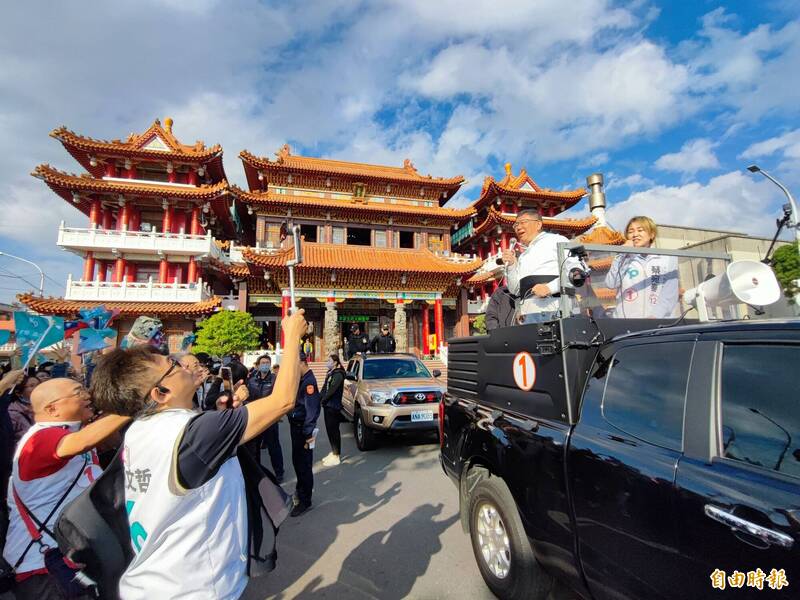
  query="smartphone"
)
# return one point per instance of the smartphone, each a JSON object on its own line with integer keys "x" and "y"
{"x": 226, "y": 373}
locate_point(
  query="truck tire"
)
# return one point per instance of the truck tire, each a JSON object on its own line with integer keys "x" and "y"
{"x": 501, "y": 547}
{"x": 366, "y": 438}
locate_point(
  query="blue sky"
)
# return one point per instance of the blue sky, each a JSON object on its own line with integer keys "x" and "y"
{"x": 670, "y": 100}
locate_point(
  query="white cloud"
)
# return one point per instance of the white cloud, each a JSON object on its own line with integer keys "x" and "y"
{"x": 788, "y": 145}
{"x": 733, "y": 201}
{"x": 631, "y": 181}
{"x": 695, "y": 155}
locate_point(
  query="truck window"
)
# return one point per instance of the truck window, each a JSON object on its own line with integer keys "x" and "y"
{"x": 760, "y": 416}
{"x": 646, "y": 391}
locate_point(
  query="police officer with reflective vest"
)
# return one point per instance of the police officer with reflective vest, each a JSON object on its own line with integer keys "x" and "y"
{"x": 302, "y": 421}
{"x": 356, "y": 341}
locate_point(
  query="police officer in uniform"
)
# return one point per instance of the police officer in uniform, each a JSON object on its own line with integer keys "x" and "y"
{"x": 356, "y": 341}
{"x": 383, "y": 343}
{"x": 302, "y": 421}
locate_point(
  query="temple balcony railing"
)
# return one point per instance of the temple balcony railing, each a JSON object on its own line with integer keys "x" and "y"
{"x": 477, "y": 307}
{"x": 129, "y": 291}
{"x": 139, "y": 242}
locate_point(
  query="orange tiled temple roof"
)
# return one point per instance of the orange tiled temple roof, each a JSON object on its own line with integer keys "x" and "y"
{"x": 82, "y": 148}
{"x": 495, "y": 217}
{"x": 355, "y": 258}
{"x": 603, "y": 235}
{"x": 86, "y": 183}
{"x": 271, "y": 199}
{"x": 59, "y": 306}
{"x": 512, "y": 186}
{"x": 134, "y": 145}
{"x": 406, "y": 173}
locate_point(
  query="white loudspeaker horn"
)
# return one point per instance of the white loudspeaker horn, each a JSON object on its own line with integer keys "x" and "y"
{"x": 746, "y": 281}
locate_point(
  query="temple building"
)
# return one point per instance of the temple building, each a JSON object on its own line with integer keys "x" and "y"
{"x": 155, "y": 210}
{"x": 376, "y": 245}
{"x": 165, "y": 235}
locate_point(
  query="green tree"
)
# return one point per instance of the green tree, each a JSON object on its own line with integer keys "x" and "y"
{"x": 227, "y": 331}
{"x": 786, "y": 263}
{"x": 479, "y": 324}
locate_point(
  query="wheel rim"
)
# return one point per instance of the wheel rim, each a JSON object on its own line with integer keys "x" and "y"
{"x": 359, "y": 428}
{"x": 493, "y": 540}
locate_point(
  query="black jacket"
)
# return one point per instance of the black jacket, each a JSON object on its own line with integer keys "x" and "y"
{"x": 357, "y": 343}
{"x": 500, "y": 311}
{"x": 332, "y": 389}
{"x": 382, "y": 344}
{"x": 259, "y": 387}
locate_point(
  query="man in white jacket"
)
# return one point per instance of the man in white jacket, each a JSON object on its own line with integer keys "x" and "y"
{"x": 533, "y": 275}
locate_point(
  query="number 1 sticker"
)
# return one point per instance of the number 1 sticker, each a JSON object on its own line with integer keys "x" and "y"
{"x": 524, "y": 371}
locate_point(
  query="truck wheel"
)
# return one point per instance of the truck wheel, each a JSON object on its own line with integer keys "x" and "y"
{"x": 501, "y": 547}
{"x": 365, "y": 437}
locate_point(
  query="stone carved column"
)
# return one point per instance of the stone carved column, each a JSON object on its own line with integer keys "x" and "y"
{"x": 400, "y": 327}
{"x": 331, "y": 330}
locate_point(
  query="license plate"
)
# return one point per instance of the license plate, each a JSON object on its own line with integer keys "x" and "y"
{"x": 421, "y": 415}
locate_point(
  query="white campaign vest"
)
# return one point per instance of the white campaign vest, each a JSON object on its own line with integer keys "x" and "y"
{"x": 41, "y": 495}
{"x": 187, "y": 543}
{"x": 640, "y": 282}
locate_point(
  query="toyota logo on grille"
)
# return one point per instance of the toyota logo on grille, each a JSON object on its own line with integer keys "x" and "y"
{"x": 420, "y": 397}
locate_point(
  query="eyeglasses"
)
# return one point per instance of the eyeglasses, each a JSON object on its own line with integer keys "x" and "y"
{"x": 174, "y": 364}
{"x": 80, "y": 391}
{"x": 525, "y": 222}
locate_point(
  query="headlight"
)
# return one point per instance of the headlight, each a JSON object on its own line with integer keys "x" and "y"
{"x": 380, "y": 397}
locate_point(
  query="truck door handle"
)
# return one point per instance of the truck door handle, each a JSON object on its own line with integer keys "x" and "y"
{"x": 766, "y": 535}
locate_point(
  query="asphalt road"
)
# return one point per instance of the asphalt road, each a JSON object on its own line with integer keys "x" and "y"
{"x": 384, "y": 524}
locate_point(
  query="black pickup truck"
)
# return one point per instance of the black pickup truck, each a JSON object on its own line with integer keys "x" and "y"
{"x": 613, "y": 459}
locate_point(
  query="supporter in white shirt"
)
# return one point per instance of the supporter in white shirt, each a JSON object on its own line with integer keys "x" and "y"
{"x": 646, "y": 285}
{"x": 54, "y": 459}
{"x": 533, "y": 275}
{"x": 185, "y": 492}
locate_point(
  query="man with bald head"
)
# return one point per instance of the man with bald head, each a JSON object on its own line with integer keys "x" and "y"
{"x": 53, "y": 463}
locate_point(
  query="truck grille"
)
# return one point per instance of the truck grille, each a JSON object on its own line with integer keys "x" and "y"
{"x": 420, "y": 397}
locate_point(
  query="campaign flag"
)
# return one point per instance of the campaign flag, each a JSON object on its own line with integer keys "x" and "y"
{"x": 36, "y": 331}
{"x": 5, "y": 335}
{"x": 188, "y": 340}
{"x": 92, "y": 340}
{"x": 70, "y": 327}
{"x": 98, "y": 317}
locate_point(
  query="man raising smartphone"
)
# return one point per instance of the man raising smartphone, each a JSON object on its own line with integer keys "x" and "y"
{"x": 185, "y": 497}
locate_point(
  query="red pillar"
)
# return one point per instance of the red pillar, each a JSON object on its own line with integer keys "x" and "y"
{"x": 163, "y": 270}
{"x": 119, "y": 269}
{"x": 123, "y": 217}
{"x": 438, "y": 319}
{"x": 108, "y": 219}
{"x": 286, "y": 303}
{"x": 504, "y": 241}
{"x": 483, "y": 293}
{"x": 130, "y": 273}
{"x": 426, "y": 330}
{"x": 135, "y": 220}
{"x": 191, "y": 177}
{"x": 111, "y": 170}
{"x": 101, "y": 270}
{"x": 166, "y": 224}
{"x": 88, "y": 267}
{"x": 94, "y": 213}
{"x": 492, "y": 246}
{"x": 194, "y": 222}
{"x": 172, "y": 176}
{"x": 191, "y": 276}
{"x": 132, "y": 172}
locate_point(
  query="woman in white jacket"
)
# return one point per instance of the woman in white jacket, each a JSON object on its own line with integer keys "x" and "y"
{"x": 646, "y": 284}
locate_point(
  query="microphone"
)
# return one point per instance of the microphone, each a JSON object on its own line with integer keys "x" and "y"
{"x": 512, "y": 245}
